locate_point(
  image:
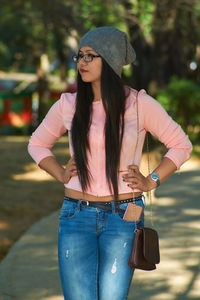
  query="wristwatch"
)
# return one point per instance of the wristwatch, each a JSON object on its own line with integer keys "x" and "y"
{"x": 155, "y": 177}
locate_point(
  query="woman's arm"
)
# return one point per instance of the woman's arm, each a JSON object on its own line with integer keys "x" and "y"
{"x": 54, "y": 125}
{"x": 48, "y": 132}
{"x": 136, "y": 180}
{"x": 154, "y": 118}
{"x": 60, "y": 173}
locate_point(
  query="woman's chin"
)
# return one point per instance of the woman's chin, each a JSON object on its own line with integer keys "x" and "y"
{"x": 86, "y": 79}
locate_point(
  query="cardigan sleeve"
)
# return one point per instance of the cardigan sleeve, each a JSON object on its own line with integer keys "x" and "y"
{"x": 156, "y": 120}
{"x": 54, "y": 125}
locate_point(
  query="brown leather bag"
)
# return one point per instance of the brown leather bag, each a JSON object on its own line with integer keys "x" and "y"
{"x": 145, "y": 250}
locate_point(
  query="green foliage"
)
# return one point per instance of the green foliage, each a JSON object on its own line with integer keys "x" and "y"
{"x": 30, "y": 28}
{"x": 196, "y": 151}
{"x": 95, "y": 13}
{"x": 181, "y": 98}
{"x": 144, "y": 10}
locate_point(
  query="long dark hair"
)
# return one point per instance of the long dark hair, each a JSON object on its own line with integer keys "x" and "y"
{"x": 114, "y": 96}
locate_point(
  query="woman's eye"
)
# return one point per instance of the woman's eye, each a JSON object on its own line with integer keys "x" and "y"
{"x": 90, "y": 55}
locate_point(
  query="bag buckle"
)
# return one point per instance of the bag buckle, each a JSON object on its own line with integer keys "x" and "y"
{"x": 86, "y": 202}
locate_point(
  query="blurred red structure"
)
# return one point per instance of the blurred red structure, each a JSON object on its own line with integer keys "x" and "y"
{"x": 16, "y": 110}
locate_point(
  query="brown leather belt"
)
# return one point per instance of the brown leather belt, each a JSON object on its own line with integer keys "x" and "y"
{"x": 105, "y": 205}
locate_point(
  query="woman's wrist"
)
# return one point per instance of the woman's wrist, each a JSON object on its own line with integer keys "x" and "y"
{"x": 64, "y": 178}
{"x": 151, "y": 184}
{"x": 60, "y": 175}
{"x": 52, "y": 167}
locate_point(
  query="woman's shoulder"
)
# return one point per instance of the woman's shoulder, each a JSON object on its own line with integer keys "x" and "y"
{"x": 68, "y": 98}
{"x": 143, "y": 98}
{"x": 132, "y": 95}
{"x": 66, "y": 103}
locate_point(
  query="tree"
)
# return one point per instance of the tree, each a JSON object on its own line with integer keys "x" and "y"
{"x": 175, "y": 38}
{"x": 135, "y": 15}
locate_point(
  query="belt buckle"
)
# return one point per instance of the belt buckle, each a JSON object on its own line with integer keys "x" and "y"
{"x": 86, "y": 201}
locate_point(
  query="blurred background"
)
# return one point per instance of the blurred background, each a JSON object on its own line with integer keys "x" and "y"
{"x": 37, "y": 41}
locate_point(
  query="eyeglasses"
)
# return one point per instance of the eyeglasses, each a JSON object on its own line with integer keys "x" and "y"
{"x": 86, "y": 57}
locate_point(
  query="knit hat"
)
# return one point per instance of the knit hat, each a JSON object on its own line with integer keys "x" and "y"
{"x": 112, "y": 44}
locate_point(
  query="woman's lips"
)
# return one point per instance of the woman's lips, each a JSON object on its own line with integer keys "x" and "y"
{"x": 83, "y": 71}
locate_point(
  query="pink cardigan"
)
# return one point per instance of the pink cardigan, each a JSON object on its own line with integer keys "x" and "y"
{"x": 152, "y": 118}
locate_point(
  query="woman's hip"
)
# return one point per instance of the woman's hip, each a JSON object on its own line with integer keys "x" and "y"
{"x": 76, "y": 215}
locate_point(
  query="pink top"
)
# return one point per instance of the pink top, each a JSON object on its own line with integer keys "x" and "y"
{"x": 152, "y": 118}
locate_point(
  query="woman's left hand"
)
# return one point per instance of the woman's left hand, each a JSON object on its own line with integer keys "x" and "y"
{"x": 136, "y": 180}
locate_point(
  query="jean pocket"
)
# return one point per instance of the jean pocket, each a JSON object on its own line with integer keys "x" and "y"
{"x": 68, "y": 210}
{"x": 124, "y": 206}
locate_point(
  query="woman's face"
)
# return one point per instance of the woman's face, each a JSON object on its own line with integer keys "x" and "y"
{"x": 92, "y": 68}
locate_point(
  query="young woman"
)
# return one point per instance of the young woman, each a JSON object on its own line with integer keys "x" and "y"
{"x": 106, "y": 123}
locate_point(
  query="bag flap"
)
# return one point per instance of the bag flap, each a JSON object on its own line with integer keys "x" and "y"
{"x": 151, "y": 245}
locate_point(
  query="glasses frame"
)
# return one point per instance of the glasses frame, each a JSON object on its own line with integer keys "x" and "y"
{"x": 77, "y": 58}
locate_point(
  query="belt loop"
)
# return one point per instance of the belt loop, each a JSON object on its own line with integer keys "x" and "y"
{"x": 78, "y": 205}
{"x": 113, "y": 206}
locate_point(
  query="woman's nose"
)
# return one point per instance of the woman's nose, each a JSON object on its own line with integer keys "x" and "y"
{"x": 82, "y": 62}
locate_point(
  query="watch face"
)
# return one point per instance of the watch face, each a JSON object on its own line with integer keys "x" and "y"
{"x": 154, "y": 176}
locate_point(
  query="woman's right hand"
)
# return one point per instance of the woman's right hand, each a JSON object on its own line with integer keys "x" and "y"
{"x": 69, "y": 171}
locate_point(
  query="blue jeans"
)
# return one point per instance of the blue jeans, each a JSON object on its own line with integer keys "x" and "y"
{"x": 93, "y": 251}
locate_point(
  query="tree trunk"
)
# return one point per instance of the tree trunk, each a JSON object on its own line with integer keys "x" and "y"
{"x": 142, "y": 68}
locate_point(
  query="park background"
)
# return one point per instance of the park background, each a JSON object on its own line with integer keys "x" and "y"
{"x": 38, "y": 39}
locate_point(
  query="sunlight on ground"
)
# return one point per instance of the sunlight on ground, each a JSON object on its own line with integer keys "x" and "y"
{"x": 163, "y": 296}
{"x": 191, "y": 212}
{"x": 53, "y": 298}
{"x": 164, "y": 201}
{"x": 14, "y": 139}
{"x": 190, "y": 164}
{"x": 195, "y": 225}
{"x": 3, "y": 225}
{"x": 178, "y": 281}
{"x": 33, "y": 173}
{"x": 195, "y": 291}
{"x": 6, "y": 242}
{"x": 36, "y": 175}
{"x": 177, "y": 276}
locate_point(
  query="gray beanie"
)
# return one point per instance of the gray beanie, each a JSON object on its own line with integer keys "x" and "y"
{"x": 112, "y": 44}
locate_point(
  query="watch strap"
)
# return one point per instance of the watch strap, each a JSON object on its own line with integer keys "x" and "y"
{"x": 155, "y": 177}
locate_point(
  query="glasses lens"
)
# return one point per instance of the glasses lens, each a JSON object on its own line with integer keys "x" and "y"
{"x": 86, "y": 57}
{"x": 78, "y": 57}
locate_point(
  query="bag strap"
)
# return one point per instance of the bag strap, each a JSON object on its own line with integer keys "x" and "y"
{"x": 149, "y": 194}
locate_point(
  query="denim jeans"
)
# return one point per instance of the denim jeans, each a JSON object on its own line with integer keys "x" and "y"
{"x": 93, "y": 251}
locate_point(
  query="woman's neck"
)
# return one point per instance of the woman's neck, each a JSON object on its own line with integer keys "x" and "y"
{"x": 96, "y": 88}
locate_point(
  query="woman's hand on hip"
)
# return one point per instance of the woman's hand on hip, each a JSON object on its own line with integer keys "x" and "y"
{"x": 69, "y": 171}
{"x": 136, "y": 180}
